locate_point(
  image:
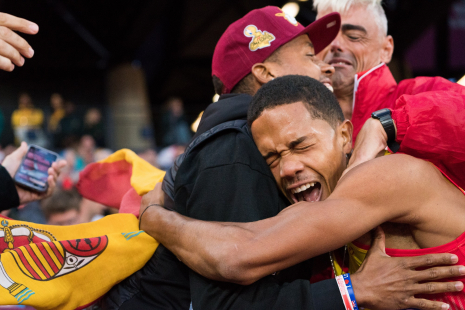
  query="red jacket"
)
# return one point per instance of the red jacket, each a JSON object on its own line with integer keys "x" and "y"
{"x": 429, "y": 113}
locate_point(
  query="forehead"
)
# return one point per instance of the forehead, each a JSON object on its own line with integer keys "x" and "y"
{"x": 297, "y": 44}
{"x": 358, "y": 15}
{"x": 285, "y": 123}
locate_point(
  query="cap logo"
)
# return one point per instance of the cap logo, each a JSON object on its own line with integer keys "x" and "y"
{"x": 260, "y": 39}
{"x": 289, "y": 18}
{"x": 329, "y": 25}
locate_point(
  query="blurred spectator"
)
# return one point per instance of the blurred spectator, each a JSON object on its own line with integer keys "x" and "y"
{"x": 150, "y": 156}
{"x": 91, "y": 210}
{"x": 31, "y": 212}
{"x": 62, "y": 208}
{"x": 101, "y": 154}
{"x": 167, "y": 156}
{"x": 69, "y": 127}
{"x": 93, "y": 126}
{"x": 27, "y": 122}
{"x": 174, "y": 125}
{"x": 86, "y": 150}
{"x": 57, "y": 104}
{"x": 70, "y": 173}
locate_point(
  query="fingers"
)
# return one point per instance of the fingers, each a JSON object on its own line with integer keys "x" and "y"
{"x": 424, "y": 304}
{"x": 21, "y": 151}
{"x": 6, "y": 64}
{"x": 438, "y": 287}
{"x": 437, "y": 273}
{"x": 12, "y": 45}
{"x": 15, "y": 42}
{"x": 429, "y": 260}
{"x": 13, "y": 161}
{"x": 60, "y": 164}
{"x": 53, "y": 173}
{"x": 18, "y": 24}
{"x": 51, "y": 186}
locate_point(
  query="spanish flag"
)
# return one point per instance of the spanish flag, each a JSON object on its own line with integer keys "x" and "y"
{"x": 119, "y": 181}
{"x": 70, "y": 267}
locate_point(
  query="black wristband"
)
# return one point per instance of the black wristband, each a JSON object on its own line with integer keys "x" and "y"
{"x": 150, "y": 205}
{"x": 384, "y": 116}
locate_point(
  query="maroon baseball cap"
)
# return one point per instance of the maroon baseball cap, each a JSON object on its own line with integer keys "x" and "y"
{"x": 254, "y": 37}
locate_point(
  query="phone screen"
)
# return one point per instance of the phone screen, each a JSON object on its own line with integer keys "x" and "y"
{"x": 33, "y": 172}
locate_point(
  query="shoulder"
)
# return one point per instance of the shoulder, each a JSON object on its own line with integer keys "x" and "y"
{"x": 396, "y": 174}
{"x": 392, "y": 165}
{"x": 224, "y": 148}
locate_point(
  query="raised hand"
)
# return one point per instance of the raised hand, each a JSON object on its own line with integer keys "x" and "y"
{"x": 12, "y": 46}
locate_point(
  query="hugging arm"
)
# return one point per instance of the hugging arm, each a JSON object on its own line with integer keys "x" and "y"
{"x": 301, "y": 231}
{"x": 245, "y": 252}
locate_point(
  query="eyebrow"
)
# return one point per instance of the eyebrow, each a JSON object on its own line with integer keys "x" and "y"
{"x": 311, "y": 44}
{"x": 346, "y": 27}
{"x": 291, "y": 145}
{"x": 296, "y": 142}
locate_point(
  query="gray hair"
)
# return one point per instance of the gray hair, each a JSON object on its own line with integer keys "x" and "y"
{"x": 342, "y": 6}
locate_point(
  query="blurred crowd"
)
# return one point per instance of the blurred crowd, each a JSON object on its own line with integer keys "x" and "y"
{"x": 79, "y": 138}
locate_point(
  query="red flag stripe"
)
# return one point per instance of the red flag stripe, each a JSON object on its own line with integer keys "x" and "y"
{"x": 47, "y": 257}
{"x": 37, "y": 261}
{"x": 57, "y": 252}
{"x": 26, "y": 264}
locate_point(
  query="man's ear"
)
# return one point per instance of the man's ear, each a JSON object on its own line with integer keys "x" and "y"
{"x": 387, "y": 50}
{"x": 262, "y": 72}
{"x": 346, "y": 129}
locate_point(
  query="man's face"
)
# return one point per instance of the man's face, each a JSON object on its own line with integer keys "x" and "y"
{"x": 359, "y": 46}
{"x": 69, "y": 217}
{"x": 297, "y": 57}
{"x": 305, "y": 155}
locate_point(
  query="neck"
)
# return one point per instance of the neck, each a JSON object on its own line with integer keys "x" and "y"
{"x": 345, "y": 101}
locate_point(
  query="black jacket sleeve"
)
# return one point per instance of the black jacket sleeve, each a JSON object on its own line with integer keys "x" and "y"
{"x": 242, "y": 192}
{"x": 163, "y": 283}
{"x": 8, "y": 193}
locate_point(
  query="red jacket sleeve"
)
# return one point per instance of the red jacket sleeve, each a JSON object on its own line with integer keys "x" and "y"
{"x": 431, "y": 126}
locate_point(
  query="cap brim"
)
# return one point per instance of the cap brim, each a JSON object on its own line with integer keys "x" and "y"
{"x": 323, "y": 30}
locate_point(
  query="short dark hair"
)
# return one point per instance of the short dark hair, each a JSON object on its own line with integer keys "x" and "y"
{"x": 319, "y": 100}
{"x": 60, "y": 202}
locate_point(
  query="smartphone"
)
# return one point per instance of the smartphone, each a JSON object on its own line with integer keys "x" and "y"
{"x": 33, "y": 171}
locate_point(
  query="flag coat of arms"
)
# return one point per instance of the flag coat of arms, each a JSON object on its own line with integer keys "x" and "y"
{"x": 70, "y": 267}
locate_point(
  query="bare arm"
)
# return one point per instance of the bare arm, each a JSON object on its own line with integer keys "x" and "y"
{"x": 243, "y": 253}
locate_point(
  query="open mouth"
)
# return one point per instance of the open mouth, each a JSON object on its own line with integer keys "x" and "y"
{"x": 329, "y": 86}
{"x": 310, "y": 192}
{"x": 335, "y": 62}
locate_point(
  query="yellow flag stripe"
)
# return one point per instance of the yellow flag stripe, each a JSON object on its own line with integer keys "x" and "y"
{"x": 60, "y": 248}
{"x": 32, "y": 263}
{"x": 42, "y": 259}
{"x": 52, "y": 255}
{"x": 20, "y": 264}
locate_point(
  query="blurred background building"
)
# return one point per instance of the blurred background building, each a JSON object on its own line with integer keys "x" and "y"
{"x": 115, "y": 67}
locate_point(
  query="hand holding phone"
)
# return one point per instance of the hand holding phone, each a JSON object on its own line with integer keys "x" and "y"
{"x": 12, "y": 163}
{"x": 33, "y": 171}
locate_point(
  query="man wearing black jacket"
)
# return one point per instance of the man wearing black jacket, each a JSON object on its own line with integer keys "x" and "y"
{"x": 223, "y": 177}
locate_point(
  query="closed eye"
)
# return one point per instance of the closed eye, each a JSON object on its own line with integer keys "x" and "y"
{"x": 354, "y": 38}
{"x": 272, "y": 161}
{"x": 303, "y": 148}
